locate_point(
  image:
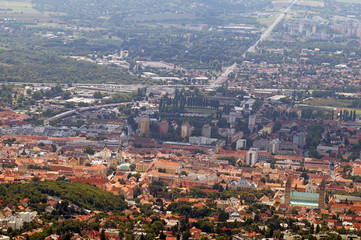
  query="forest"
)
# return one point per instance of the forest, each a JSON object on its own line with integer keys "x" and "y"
{"x": 84, "y": 195}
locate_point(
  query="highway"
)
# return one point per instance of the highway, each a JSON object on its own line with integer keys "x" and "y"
{"x": 269, "y": 30}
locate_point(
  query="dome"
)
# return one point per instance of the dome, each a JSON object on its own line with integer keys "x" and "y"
{"x": 124, "y": 166}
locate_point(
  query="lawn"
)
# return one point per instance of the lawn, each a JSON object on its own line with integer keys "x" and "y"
{"x": 201, "y": 110}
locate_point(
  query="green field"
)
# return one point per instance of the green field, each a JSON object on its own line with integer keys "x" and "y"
{"x": 201, "y": 110}
{"x": 17, "y": 7}
{"x": 340, "y": 104}
{"x": 266, "y": 21}
{"x": 311, "y": 3}
{"x": 350, "y": 1}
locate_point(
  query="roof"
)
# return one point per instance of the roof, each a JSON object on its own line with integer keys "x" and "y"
{"x": 305, "y": 195}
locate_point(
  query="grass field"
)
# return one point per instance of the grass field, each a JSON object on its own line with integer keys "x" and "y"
{"x": 339, "y": 104}
{"x": 266, "y": 21}
{"x": 17, "y": 7}
{"x": 201, "y": 110}
{"x": 311, "y": 3}
{"x": 350, "y": 1}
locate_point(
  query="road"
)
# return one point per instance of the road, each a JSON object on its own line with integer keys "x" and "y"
{"x": 269, "y": 30}
{"x": 218, "y": 82}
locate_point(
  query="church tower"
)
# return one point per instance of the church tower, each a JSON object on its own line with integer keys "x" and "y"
{"x": 321, "y": 198}
{"x": 288, "y": 191}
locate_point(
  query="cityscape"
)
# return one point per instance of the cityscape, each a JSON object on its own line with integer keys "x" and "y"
{"x": 181, "y": 120}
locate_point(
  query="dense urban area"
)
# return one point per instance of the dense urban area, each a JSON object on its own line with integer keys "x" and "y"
{"x": 180, "y": 120}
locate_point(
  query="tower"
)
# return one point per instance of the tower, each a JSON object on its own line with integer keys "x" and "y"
{"x": 251, "y": 122}
{"x": 321, "y": 198}
{"x": 163, "y": 127}
{"x": 252, "y": 156}
{"x": 143, "y": 125}
{"x": 288, "y": 191}
{"x": 206, "y": 130}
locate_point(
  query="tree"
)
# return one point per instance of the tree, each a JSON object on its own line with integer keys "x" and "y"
{"x": 102, "y": 235}
{"x": 132, "y": 167}
{"x": 89, "y": 150}
{"x": 98, "y": 95}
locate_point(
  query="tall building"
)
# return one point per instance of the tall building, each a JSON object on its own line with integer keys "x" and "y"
{"x": 287, "y": 200}
{"x": 186, "y": 130}
{"x": 251, "y": 122}
{"x": 252, "y": 156}
{"x": 241, "y": 144}
{"x": 143, "y": 125}
{"x": 299, "y": 139}
{"x": 274, "y": 146}
{"x": 206, "y": 130}
{"x": 163, "y": 127}
{"x": 232, "y": 117}
{"x": 321, "y": 199}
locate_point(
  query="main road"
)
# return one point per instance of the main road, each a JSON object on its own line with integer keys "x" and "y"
{"x": 218, "y": 82}
{"x": 268, "y": 31}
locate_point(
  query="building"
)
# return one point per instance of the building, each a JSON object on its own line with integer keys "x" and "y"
{"x": 241, "y": 144}
{"x": 251, "y": 122}
{"x": 143, "y": 125}
{"x": 274, "y": 146}
{"x": 243, "y": 184}
{"x": 163, "y": 127}
{"x": 305, "y": 199}
{"x": 252, "y": 156}
{"x": 186, "y": 130}
{"x": 202, "y": 140}
{"x": 206, "y": 130}
{"x": 232, "y": 117}
{"x": 299, "y": 139}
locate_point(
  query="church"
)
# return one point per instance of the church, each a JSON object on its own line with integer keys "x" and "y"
{"x": 305, "y": 199}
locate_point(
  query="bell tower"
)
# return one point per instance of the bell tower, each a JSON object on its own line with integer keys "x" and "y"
{"x": 288, "y": 191}
{"x": 322, "y": 196}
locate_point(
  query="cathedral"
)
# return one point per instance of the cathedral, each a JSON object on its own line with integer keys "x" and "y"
{"x": 305, "y": 199}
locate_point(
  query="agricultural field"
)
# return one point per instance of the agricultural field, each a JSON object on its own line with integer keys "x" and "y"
{"x": 311, "y": 3}
{"x": 338, "y": 103}
{"x": 17, "y": 7}
{"x": 266, "y": 21}
{"x": 350, "y": 1}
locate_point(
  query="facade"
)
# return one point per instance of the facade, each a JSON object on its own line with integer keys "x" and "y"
{"x": 186, "y": 130}
{"x": 163, "y": 127}
{"x": 252, "y": 122}
{"x": 206, "y": 130}
{"x": 143, "y": 125}
{"x": 252, "y": 156}
{"x": 274, "y": 146}
{"x": 299, "y": 139}
{"x": 241, "y": 144}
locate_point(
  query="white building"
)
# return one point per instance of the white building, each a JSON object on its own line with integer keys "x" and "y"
{"x": 241, "y": 144}
{"x": 252, "y": 156}
{"x": 274, "y": 146}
